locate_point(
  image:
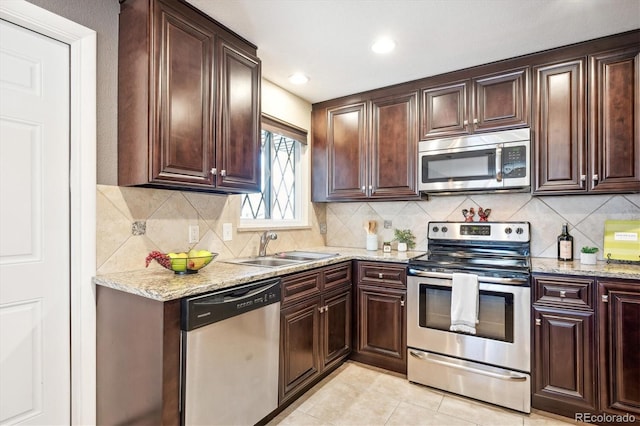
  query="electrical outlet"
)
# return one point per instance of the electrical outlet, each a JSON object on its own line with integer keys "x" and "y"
{"x": 387, "y": 224}
{"x": 323, "y": 228}
{"x": 194, "y": 233}
{"x": 227, "y": 232}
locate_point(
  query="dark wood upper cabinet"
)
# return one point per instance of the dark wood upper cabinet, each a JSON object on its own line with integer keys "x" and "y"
{"x": 346, "y": 151}
{"x": 614, "y": 122}
{"x": 239, "y": 128}
{"x": 490, "y": 102}
{"x": 366, "y": 149}
{"x": 560, "y": 148}
{"x": 183, "y": 148}
{"x": 444, "y": 111}
{"x": 393, "y": 146}
{"x": 188, "y": 101}
{"x": 576, "y": 152}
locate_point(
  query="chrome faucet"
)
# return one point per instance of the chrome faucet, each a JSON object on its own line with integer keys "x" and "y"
{"x": 264, "y": 241}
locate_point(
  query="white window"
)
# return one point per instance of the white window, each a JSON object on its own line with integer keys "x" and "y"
{"x": 284, "y": 197}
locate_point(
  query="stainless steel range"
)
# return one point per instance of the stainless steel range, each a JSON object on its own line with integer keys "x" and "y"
{"x": 475, "y": 278}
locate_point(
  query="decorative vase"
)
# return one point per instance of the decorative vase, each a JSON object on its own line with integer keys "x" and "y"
{"x": 588, "y": 258}
{"x": 402, "y": 246}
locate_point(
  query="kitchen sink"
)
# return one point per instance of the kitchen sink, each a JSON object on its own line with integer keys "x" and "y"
{"x": 267, "y": 261}
{"x": 285, "y": 258}
{"x": 304, "y": 256}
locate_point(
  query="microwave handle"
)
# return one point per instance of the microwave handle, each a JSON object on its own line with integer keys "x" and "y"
{"x": 499, "y": 163}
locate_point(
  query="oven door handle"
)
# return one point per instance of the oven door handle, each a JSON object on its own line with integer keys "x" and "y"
{"x": 512, "y": 376}
{"x": 492, "y": 280}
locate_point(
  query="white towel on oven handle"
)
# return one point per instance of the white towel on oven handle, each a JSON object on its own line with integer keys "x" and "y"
{"x": 464, "y": 303}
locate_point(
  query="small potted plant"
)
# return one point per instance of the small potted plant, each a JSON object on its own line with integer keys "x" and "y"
{"x": 588, "y": 255}
{"x": 405, "y": 239}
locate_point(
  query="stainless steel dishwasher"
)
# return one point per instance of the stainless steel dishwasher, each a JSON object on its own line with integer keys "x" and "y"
{"x": 230, "y": 354}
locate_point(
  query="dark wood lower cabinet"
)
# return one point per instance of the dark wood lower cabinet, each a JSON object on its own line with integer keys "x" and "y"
{"x": 336, "y": 327}
{"x": 315, "y": 327}
{"x": 300, "y": 345}
{"x": 619, "y": 329}
{"x": 380, "y": 325}
{"x": 564, "y": 361}
{"x": 381, "y": 328}
{"x": 138, "y": 359}
{"x": 586, "y": 350}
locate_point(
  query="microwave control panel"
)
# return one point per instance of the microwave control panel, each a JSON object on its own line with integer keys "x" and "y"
{"x": 514, "y": 161}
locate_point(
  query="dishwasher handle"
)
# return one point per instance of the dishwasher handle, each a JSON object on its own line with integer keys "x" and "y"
{"x": 198, "y": 311}
{"x": 234, "y": 297}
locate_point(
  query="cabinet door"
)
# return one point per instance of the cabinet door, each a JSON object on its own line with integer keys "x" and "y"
{"x": 559, "y": 132}
{"x": 238, "y": 156}
{"x": 181, "y": 133}
{"x": 300, "y": 346}
{"x": 393, "y": 148}
{"x": 346, "y": 151}
{"x": 614, "y": 102}
{"x": 619, "y": 327}
{"x": 336, "y": 326}
{"x": 501, "y": 101}
{"x": 444, "y": 111}
{"x": 564, "y": 361}
{"x": 381, "y": 333}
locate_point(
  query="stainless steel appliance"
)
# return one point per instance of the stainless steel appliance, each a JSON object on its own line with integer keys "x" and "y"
{"x": 494, "y": 364}
{"x": 230, "y": 360}
{"x": 487, "y": 161}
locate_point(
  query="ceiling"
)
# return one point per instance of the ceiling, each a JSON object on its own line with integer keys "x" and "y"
{"x": 329, "y": 40}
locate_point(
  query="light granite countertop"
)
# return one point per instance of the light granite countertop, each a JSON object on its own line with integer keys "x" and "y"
{"x": 600, "y": 269}
{"x": 160, "y": 284}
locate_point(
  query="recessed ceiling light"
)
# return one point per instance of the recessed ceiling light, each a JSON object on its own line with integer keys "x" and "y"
{"x": 298, "y": 78}
{"x": 383, "y": 45}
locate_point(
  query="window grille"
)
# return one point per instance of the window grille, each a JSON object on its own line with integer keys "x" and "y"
{"x": 277, "y": 197}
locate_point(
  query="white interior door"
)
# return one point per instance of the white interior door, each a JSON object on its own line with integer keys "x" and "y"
{"x": 34, "y": 228}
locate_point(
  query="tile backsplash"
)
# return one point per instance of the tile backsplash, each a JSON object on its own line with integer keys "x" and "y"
{"x": 131, "y": 222}
{"x": 585, "y": 215}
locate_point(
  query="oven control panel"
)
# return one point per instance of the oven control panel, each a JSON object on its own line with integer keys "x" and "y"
{"x": 483, "y": 231}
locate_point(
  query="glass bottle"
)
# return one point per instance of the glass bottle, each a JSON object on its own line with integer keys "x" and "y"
{"x": 565, "y": 244}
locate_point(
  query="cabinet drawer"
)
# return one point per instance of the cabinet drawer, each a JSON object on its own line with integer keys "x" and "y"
{"x": 337, "y": 275}
{"x": 298, "y": 286}
{"x": 568, "y": 292}
{"x": 385, "y": 274}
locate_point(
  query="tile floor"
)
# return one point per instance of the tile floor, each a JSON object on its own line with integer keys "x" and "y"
{"x": 357, "y": 394}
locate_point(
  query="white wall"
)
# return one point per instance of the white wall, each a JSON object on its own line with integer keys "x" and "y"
{"x": 102, "y": 17}
{"x": 286, "y": 106}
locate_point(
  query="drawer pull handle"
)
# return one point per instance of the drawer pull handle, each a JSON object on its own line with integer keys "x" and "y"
{"x": 538, "y": 321}
{"x": 563, "y": 293}
{"x": 402, "y": 303}
{"x": 380, "y": 275}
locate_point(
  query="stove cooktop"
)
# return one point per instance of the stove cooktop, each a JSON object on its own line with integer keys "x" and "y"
{"x": 496, "y": 249}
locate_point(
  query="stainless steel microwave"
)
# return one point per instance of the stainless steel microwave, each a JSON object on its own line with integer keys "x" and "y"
{"x": 481, "y": 162}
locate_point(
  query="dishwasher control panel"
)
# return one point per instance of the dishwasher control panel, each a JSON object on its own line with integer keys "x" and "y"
{"x": 198, "y": 311}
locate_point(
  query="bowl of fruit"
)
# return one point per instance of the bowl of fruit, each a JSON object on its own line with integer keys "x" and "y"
{"x": 181, "y": 262}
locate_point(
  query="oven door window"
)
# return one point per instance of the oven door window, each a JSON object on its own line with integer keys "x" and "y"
{"x": 495, "y": 312}
{"x": 467, "y": 165}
